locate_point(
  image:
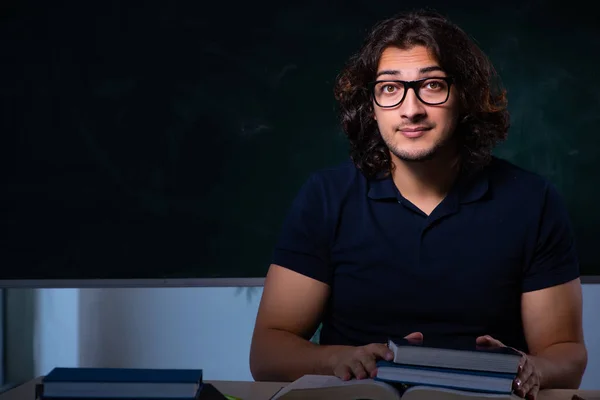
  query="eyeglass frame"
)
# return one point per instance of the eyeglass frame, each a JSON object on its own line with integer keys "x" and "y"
{"x": 412, "y": 85}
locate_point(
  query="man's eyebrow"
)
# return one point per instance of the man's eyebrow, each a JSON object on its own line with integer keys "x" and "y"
{"x": 388, "y": 72}
{"x": 423, "y": 70}
{"x": 431, "y": 69}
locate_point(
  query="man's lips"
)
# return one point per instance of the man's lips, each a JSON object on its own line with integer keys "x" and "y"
{"x": 414, "y": 132}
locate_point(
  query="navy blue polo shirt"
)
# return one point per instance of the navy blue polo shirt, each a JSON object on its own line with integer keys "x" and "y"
{"x": 460, "y": 271}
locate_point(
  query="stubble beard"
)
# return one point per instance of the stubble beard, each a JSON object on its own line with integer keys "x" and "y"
{"x": 421, "y": 155}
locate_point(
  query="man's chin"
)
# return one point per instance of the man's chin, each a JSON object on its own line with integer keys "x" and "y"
{"x": 420, "y": 156}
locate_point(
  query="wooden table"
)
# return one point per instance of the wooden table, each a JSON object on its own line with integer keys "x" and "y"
{"x": 264, "y": 390}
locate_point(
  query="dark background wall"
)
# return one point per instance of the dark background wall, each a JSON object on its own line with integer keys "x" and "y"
{"x": 164, "y": 139}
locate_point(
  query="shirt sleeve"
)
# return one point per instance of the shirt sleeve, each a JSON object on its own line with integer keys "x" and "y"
{"x": 555, "y": 259}
{"x": 303, "y": 243}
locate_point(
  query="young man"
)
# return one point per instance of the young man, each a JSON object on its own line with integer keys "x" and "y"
{"x": 424, "y": 233}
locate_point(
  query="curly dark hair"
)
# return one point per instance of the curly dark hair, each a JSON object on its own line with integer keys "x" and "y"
{"x": 485, "y": 120}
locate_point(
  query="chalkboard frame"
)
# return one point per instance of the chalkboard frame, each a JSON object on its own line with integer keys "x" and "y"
{"x": 161, "y": 283}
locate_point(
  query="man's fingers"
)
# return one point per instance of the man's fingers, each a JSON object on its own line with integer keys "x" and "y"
{"x": 370, "y": 365}
{"x": 487, "y": 340}
{"x": 525, "y": 387}
{"x": 482, "y": 341}
{"x": 374, "y": 352}
{"x": 524, "y": 381}
{"x": 533, "y": 393}
{"x": 414, "y": 336}
{"x": 380, "y": 350}
{"x": 343, "y": 372}
{"x": 527, "y": 369}
{"x": 358, "y": 369}
{"x": 527, "y": 377}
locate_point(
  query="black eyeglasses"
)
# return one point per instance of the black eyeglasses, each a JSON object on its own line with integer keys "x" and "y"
{"x": 432, "y": 91}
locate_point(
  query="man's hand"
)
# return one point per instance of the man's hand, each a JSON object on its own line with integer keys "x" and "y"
{"x": 361, "y": 362}
{"x": 527, "y": 382}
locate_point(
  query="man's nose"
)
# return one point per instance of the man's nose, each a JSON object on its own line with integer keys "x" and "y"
{"x": 412, "y": 107}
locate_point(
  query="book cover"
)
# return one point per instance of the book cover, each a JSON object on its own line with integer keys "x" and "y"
{"x": 455, "y": 353}
{"x": 468, "y": 380}
{"x": 127, "y": 375}
{"x": 454, "y": 343}
{"x": 130, "y": 383}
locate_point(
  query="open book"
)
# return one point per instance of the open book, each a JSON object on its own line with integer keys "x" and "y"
{"x": 317, "y": 387}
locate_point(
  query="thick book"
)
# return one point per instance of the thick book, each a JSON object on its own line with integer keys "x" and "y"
{"x": 117, "y": 383}
{"x": 411, "y": 375}
{"x": 323, "y": 387}
{"x": 462, "y": 354}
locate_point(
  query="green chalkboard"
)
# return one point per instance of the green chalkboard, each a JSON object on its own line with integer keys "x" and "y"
{"x": 166, "y": 139}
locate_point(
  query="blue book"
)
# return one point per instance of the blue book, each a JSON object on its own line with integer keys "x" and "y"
{"x": 120, "y": 383}
{"x": 466, "y": 380}
{"x": 455, "y": 353}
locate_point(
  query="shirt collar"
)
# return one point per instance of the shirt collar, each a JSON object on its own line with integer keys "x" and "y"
{"x": 470, "y": 187}
{"x": 473, "y": 187}
{"x": 382, "y": 187}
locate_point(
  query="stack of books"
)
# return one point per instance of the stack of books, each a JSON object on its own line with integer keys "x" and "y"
{"x": 125, "y": 383}
{"x": 436, "y": 369}
{"x": 457, "y": 364}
